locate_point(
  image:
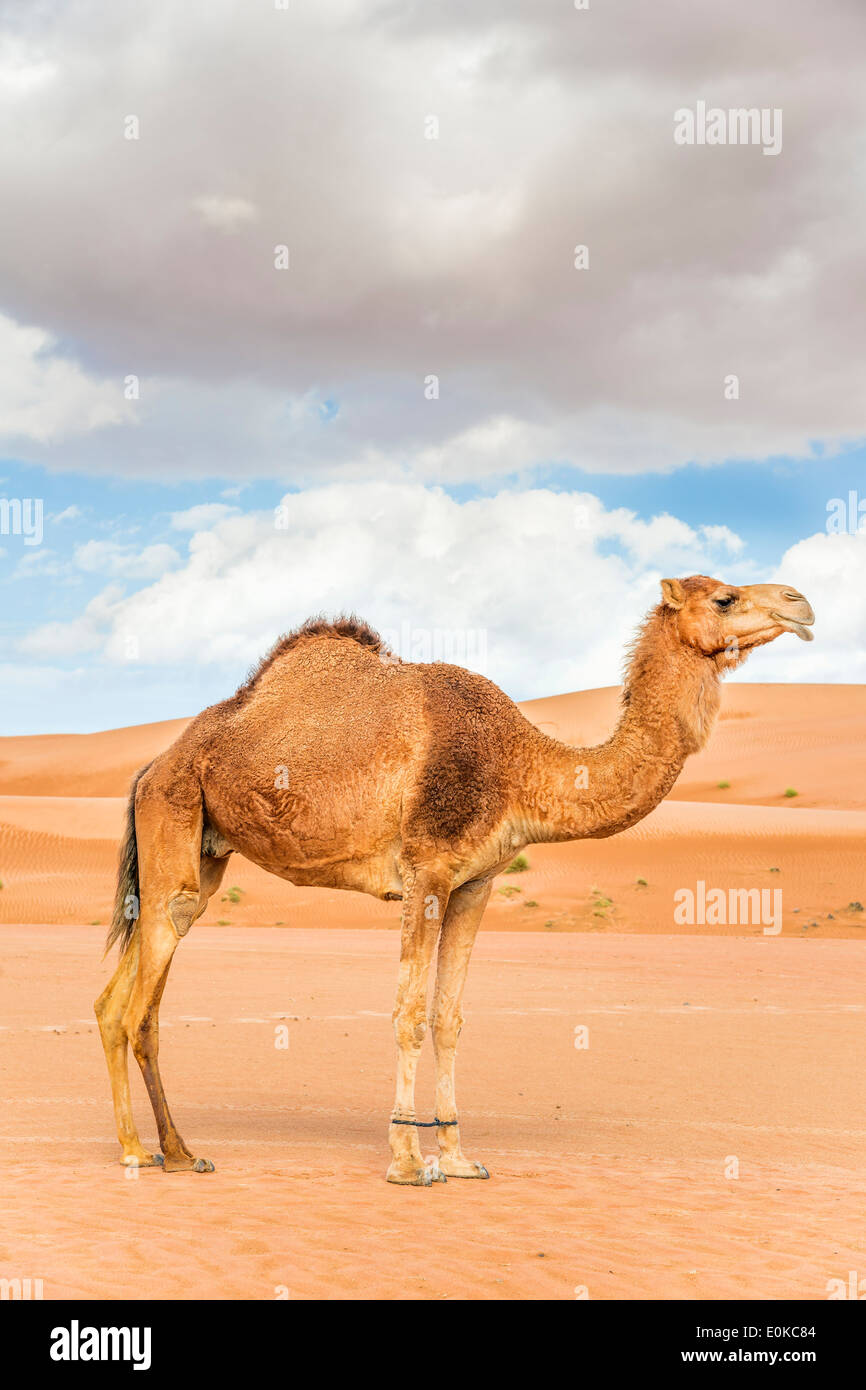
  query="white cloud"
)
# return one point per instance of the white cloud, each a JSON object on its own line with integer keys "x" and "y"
{"x": 41, "y": 563}
{"x": 22, "y": 69}
{"x": 831, "y": 571}
{"x": 83, "y": 634}
{"x": 205, "y": 514}
{"x": 723, "y": 536}
{"x": 46, "y": 396}
{"x": 124, "y": 561}
{"x": 225, "y": 214}
{"x": 539, "y": 589}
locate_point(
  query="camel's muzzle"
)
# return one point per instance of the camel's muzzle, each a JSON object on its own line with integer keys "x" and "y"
{"x": 796, "y": 615}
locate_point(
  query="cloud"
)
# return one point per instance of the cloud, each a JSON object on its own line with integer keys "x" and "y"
{"x": 80, "y": 635}
{"x": 831, "y": 571}
{"x": 225, "y": 214}
{"x": 124, "y": 561}
{"x": 539, "y": 590}
{"x": 413, "y": 257}
{"x": 45, "y": 396}
{"x": 41, "y": 563}
{"x": 205, "y": 514}
{"x": 22, "y": 69}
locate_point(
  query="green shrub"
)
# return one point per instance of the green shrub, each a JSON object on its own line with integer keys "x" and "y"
{"x": 518, "y": 865}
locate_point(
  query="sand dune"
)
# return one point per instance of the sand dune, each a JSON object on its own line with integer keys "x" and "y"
{"x": 768, "y": 738}
{"x": 62, "y": 799}
{"x": 81, "y": 764}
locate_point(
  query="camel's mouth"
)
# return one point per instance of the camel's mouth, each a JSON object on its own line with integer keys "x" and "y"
{"x": 799, "y": 626}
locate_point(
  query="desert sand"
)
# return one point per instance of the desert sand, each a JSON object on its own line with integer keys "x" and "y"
{"x": 709, "y": 1142}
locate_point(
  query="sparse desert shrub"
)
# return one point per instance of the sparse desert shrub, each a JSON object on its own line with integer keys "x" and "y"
{"x": 789, "y": 791}
{"x": 518, "y": 865}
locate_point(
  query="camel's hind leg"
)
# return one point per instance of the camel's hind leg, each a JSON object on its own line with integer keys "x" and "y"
{"x": 110, "y": 1008}
{"x": 465, "y": 910}
{"x": 176, "y": 882}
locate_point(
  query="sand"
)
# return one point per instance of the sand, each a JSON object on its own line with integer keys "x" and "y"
{"x": 709, "y": 1143}
{"x": 612, "y": 1166}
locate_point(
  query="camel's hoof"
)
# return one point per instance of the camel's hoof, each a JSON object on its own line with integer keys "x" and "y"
{"x": 142, "y": 1160}
{"x": 433, "y": 1168}
{"x": 463, "y": 1168}
{"x": 414, "y": 1177}
{"x": 188, "y": 1165}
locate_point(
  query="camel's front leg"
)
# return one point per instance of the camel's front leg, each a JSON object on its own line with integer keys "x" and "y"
{"x": 424, "y": 904}
{"x": 465, "y": 910}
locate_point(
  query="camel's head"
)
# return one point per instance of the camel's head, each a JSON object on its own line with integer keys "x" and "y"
{"x": 726, "y": 621}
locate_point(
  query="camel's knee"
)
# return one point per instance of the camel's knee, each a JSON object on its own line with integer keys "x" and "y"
{"x": 139, "y": 1025}
{"x": 110, "y": 1019}
{"x": 111, "y": 1028}
{"x": 446, "y": 1029}
{"x": 410, "y": 1025}
{"x": 182, "y": 911}
{"x": 141, "y": 1040}
{"x": 111, "y": 1004}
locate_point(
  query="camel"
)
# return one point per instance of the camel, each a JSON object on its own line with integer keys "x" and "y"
{"x": 338, "y": 764}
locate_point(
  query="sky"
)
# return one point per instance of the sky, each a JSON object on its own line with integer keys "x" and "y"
{"x": 422, "y": 312}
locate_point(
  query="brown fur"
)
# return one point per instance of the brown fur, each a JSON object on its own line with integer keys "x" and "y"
{"x": 346, "y": 625}
{"x": 337, "y": 765}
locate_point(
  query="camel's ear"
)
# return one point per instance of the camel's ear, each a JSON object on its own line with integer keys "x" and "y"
{"x": 673, "y": 593}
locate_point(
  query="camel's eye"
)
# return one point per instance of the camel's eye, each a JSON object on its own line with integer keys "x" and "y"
{"x": 724, "y": 603}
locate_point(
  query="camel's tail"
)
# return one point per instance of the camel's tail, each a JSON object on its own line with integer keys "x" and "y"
{"x": 126, "y": 899}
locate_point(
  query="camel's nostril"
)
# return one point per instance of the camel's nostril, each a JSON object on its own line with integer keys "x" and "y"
{"x": 792, "y": 595}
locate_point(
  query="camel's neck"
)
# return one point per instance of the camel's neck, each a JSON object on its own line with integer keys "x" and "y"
{"x": 670, "y": 699}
